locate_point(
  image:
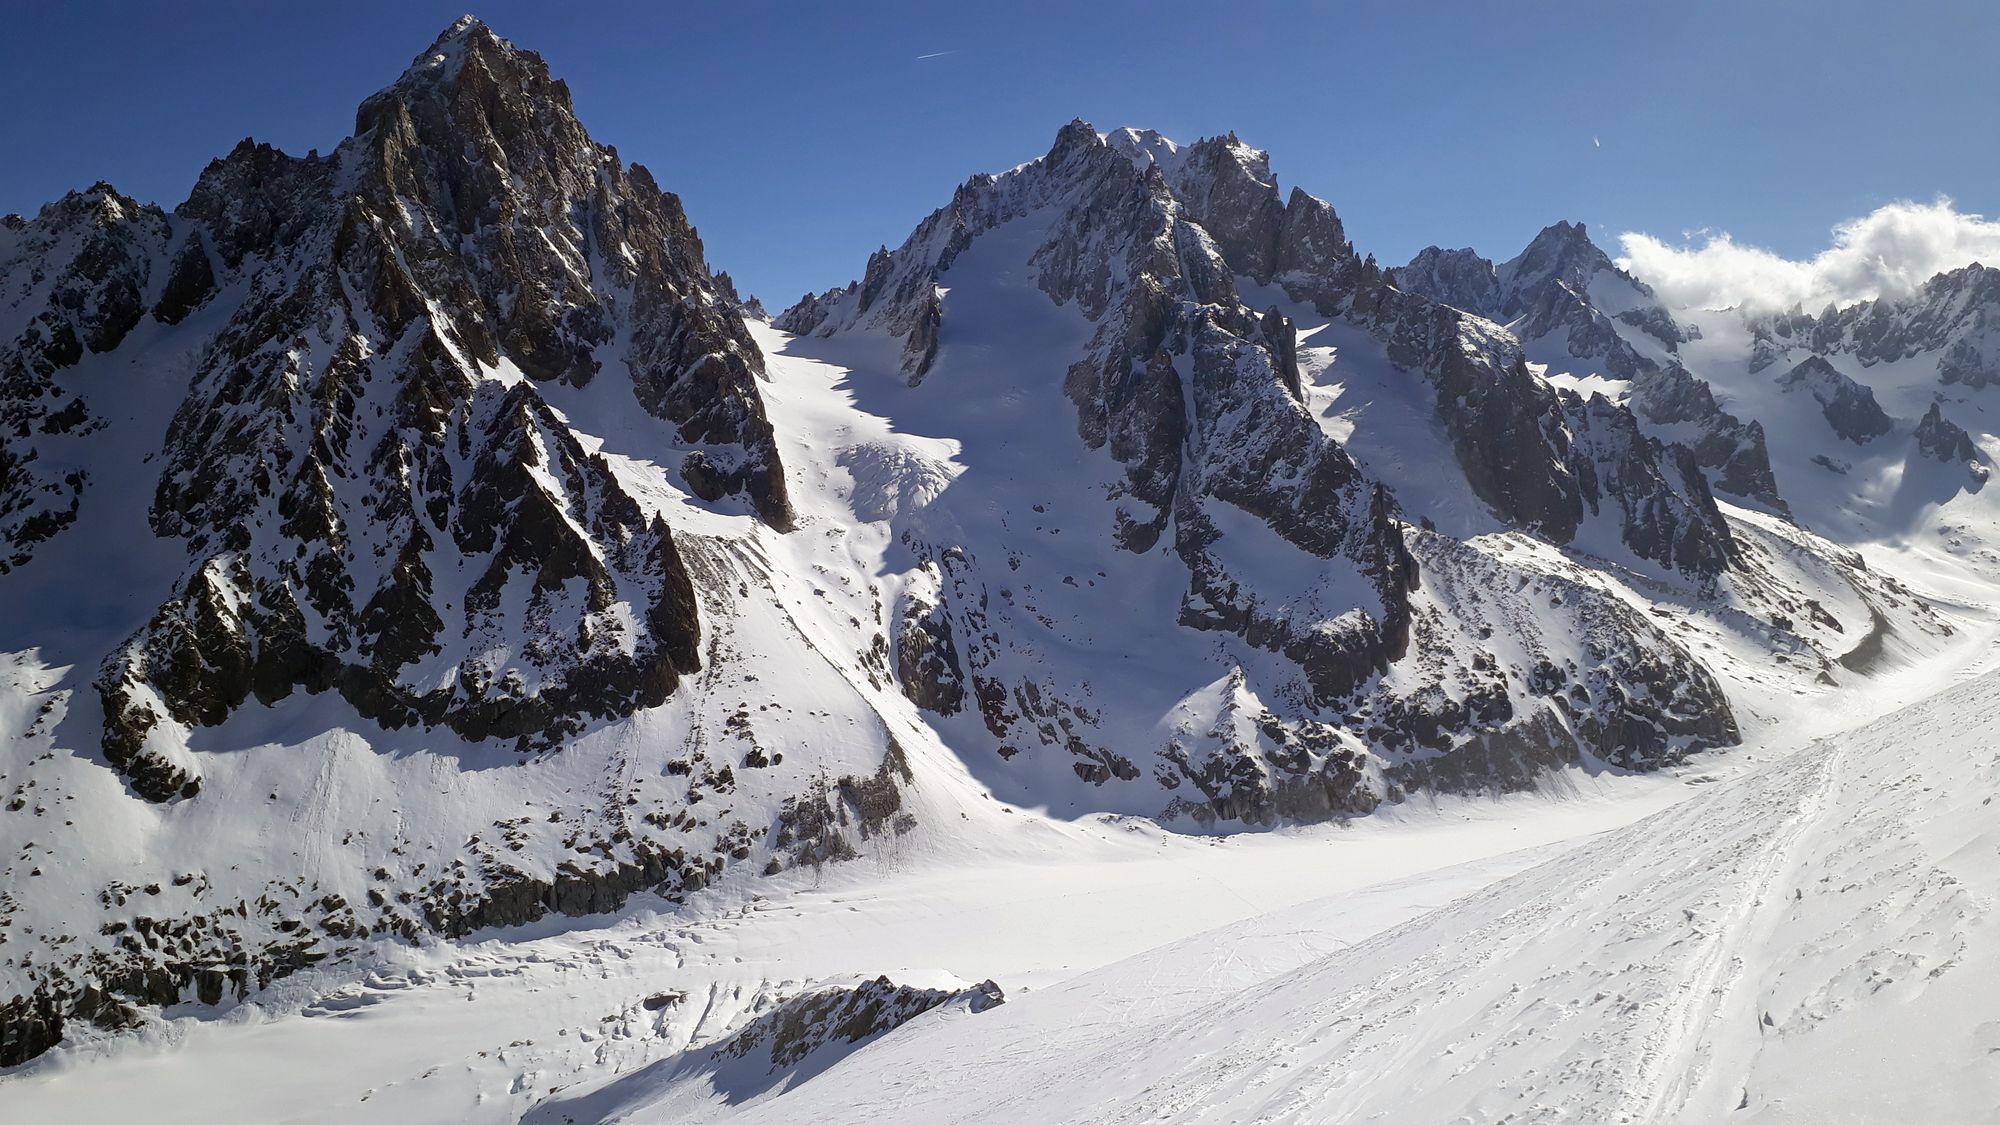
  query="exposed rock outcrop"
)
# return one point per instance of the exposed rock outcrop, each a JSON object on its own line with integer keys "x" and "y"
{"x": 1941, "y": 439}
{"x": 77, "y": 278}
{"x": 1850, "y": 408}
{"x": 831, "y": 1016}
{"x": 1732, "y": 450}
{"x": 927, "y": 664}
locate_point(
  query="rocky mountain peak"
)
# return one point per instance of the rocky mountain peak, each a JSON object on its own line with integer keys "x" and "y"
{"x": 357, "y": 437}
{"x": 467, "y": 41}
{"x": 1850, "y": 408}
{"x": 1460, "y": 278}
{"x": 470, "y": 70}
{"x": 1942, "y": 439}
{"x": 1563, "y": 250}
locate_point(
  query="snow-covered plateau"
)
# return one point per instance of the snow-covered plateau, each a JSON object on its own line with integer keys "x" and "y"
{"x": 1128, "y": 656}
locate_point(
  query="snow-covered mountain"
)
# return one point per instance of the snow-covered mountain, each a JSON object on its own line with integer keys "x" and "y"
{"x": 312, "y": 434}
{"x": 425, "y": 538}
{"x": 1499, "y": 534}
{"x": 1574, "y": 309}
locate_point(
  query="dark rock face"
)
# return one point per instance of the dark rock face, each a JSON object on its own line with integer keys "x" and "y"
{"x": 1227, "y": 187}
{"x": 189, "y": 286}
{"x": 828, "y": 1017}
{"x": 77, "y": 278}
{"x": 1733, "y": 450}
{"x": 1941, "y": 439}
{"x": 1850, "y": 408}
{"x": 1506, "y": 426}
{"x": 1544, "y": 461}
{"x": 927, "y": 664}
{"x": 1664, "y": 510}
{"x": 342, "y": 459}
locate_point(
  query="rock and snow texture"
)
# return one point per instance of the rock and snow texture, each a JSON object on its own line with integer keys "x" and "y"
{"x": 1850, "y": 408}
{"x": 423, "y": 538}
{"x": 313, "y": 435}
{"x": 1576, "y": 311}
{"x": 1331, "y": 471}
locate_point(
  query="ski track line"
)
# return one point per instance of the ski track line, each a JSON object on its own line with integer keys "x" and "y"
{"x": 1679, "y": 1052}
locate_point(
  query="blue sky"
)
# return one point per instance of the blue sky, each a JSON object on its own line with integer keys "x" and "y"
{"x": 803, "y": 135}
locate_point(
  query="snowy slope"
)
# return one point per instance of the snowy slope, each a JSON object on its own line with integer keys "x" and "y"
{"x": 485, "y": 1029}
{"x": 1807, "y": 943}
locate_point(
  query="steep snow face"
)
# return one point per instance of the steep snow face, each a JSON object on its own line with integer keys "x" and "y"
{"x": 1806, "y": 943}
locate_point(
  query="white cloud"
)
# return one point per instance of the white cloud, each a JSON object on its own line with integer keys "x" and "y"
{"x": 1887, "y": 252}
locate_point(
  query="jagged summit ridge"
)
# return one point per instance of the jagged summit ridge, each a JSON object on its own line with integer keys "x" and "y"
{"x": 1570, "y": 304}
{"x": 359, "y": 437}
